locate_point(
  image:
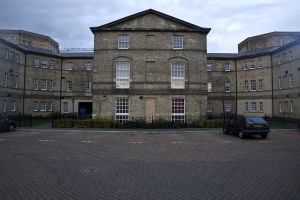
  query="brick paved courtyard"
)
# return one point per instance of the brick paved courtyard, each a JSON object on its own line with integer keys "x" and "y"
{"x": 41, "y": 164}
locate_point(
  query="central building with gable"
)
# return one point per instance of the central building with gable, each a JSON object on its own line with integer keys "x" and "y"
{"x": 150, "y": 66}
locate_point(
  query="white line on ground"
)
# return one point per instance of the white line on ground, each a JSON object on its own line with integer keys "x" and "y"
{"x": 135, "y": 142}
{"x": 46, "y": 140}
{"x": 88, "y": 141}
{"x": 178, "y": 142}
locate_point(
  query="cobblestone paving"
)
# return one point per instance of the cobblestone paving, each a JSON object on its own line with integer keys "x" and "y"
{"x": 52, "y": 164}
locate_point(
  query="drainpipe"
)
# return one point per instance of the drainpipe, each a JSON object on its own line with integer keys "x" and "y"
{"x": 24, "y": 84}
{"x": 272, "y": 87}
{"x": 60, "y": 87}
{"x": 236, "y": 86}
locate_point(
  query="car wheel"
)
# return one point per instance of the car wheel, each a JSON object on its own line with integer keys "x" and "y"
{"x": 241, "y": 134}
{"x": 11, "y": 127}
{"x": 264, "y": 136}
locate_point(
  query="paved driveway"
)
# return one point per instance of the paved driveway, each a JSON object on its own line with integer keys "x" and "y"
{"x": 48, "y": 164}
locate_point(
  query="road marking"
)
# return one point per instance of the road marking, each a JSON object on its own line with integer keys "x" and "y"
{"x": 265, "y": 141}
{"x": 46, "y": 140}
{"x": 2, "y": 139}
{"x": 88, "y": 141}
{"x": 138, "y": 142}
{"x": 178, "y": 142}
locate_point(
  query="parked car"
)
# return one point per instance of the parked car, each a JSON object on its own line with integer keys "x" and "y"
{"x": 7, "y": 125}
{"x": 247, "y": 125}
{"x": 298, "y": 125}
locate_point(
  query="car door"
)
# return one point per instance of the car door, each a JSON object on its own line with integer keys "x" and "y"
{"x": 230, "y": 125}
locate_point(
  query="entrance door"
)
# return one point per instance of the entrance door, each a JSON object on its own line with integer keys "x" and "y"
{"x": 85, "y": 109}
{"x": 150, "y": 109}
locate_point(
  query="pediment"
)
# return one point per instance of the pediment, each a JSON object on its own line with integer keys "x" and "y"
{"x": 150, "y": 20}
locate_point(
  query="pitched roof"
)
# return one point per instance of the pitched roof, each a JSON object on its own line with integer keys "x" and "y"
{"x": 150, "y": 11}
{"x": 221, "y": 56}
{"x": 78, "y": 55}
{"x": 28, "y": 33}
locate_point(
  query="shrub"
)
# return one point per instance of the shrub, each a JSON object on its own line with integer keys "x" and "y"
{"x": 63, "y": 123}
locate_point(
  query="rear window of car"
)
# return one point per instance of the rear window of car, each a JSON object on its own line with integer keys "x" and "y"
{"x": 255, "y": 120}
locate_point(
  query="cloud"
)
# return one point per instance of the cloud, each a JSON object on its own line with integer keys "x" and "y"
{"x": 68, "y": 21}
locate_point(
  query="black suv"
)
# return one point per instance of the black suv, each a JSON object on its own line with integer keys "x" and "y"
{"x": 7, "y": 125}
{"x": 247, "y": 125}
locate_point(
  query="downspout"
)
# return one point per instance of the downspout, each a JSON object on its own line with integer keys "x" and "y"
{"x": 24, "y": 83}
{"x": 272, "y": 85}
{"x": 60, "y": 87}
{"x": 236, "y": 86}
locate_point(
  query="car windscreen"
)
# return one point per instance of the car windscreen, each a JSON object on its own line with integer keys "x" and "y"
{"x": 255, "y": 120}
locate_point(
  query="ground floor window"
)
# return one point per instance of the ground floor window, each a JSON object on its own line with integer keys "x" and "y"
{"x": 178, "y": 110}
{"x": 253, "y": 107}
{"x": 227, "y": 107}
{"x": 122, "y": 110}
{"x": 261, "y": 106}
{"x": 4, "y": 106}
{"x": 13, "y": 106}
{"x": 209, "y": 107}
{"x": 43, "y": 106}
{"x": 49, "y": 106}
{"x": 65, "y": 107}
{"x": 35, "y": 106}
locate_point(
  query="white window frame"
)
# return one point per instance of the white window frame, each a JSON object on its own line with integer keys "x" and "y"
{"x": 260, "y": 84}
{"x": 226, "y": 67}
{"x": 209, "y": 68}
{"x": 259, "y": 64}
{"x": 122, "y": 75}
{"x": 69, "y": 66}
{"x": 178, "y": 110}
{"x": 49, "y": 106}
{"x": 209, "y": 107}
{"x": 122, "y": 110}
{"x": 88, "y": 66}
{"x": 51, "y": 64}
{"x": 177, "y": 75}
{"x": 252, "y": 64}
{"x": 246, "y": 106}
{"x": 36, "y": 62}
{"x": 88, "y": 86}
{"x": 209, "y": 86}
{"x": 4, "y": 106}
{"x": 253, "y": 106}
{"x": 16, "y": 84}
{"x": 291, "y": 80}
{"x": 44, "y": 64}
{"x": 43, "y": 85}
{"x": 65, "y": 107}
{"x": 177, "y": 42}
{"x": 17, "y": 58}
{"x": 246, "y": 85}
{"x": 35, "y": 84}
{"x": 13, "y": 106}
{"x": 5, "y": 79}
{"x": 252, "y": 85}
{"x": 227, "y": 86}
{"x": 49, "y": 85}
{"x": 261, "y": 106}
{"x": 245, "y": 65}
{"x": 280, "y": 107}
{"x": 228, "y": 107}
{"x": 7, "y": 54}
{"x": 69, "y": 86}
{"x": 35, "y": 106}
{"x": 123, "y": 42}
{"x": 279, "y": 83}
{"x": 43, "y": 106}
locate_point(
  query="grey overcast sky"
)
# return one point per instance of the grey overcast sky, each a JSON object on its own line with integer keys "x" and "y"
{"x": 231, "y": 21}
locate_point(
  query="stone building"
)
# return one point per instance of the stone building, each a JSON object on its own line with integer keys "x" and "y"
{"x": 34, "y": 76}
{"x": 149, "y": 66}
